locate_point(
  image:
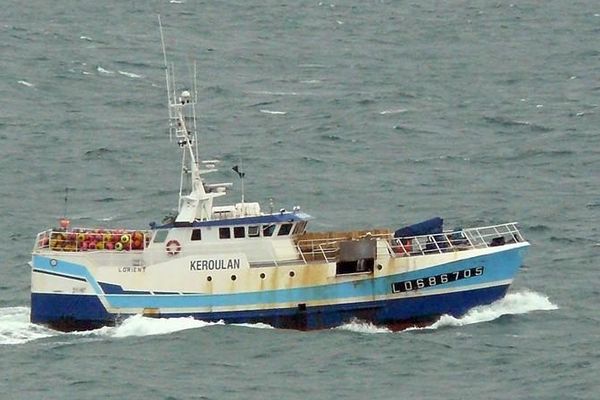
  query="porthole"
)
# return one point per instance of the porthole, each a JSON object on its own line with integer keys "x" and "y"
{"x": 233, "y": 277}
{"x": 209, "y": 278}
{"x": 292, "y": 274}
{"x": 262, "y": 276}
{"x": 379, "y": 267}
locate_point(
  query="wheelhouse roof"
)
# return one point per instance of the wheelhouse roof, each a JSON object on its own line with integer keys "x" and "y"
{"x": 250, "y": 220}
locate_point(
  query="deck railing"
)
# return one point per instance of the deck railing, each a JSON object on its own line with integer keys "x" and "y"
{"x": 457, "y": 240}
{"x": 327, "y": 249}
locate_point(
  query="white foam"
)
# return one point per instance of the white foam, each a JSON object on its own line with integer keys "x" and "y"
{"x": 89, "y": 39}
{"x": 15, "y": 327}
{"x": 25, "y": 83}
{"x": 104, "y": 71}
{"x": 130, "y": 74}
{"x": 139, "y": 325}
{"x": 258, "y": 325}
{"x": 267, "y": 92}
{"x": 311, "y": 66}
{"x": 273, "y": 112}
{"x": 394, "y": 111}
{"x": 362, "y": 327}
{"x": 514, "y": 303}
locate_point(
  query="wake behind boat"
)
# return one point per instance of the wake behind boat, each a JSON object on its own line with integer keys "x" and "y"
{"x": 239, "y": 264}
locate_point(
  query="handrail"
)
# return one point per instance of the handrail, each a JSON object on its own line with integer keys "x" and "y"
{"x": 458, "y": 240}
{"x": 325, "y": 249}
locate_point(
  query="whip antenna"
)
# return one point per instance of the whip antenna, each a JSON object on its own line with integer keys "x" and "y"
{"x": 66, "y": 200}
{"x": 64, "y": 221}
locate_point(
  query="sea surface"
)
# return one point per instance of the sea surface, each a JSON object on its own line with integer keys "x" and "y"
{"x": 364, "y": 114}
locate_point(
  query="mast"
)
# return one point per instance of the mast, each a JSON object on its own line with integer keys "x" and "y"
{"x": 195, "y": 203}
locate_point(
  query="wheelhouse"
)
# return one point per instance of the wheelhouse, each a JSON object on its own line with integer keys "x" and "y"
{"x": 273, "y": 226}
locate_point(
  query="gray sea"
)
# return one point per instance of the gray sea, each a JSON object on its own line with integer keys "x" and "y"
{"x": 364, "y": 114}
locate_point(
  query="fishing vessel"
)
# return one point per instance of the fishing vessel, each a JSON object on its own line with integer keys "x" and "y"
{"x": 241, "y": 264}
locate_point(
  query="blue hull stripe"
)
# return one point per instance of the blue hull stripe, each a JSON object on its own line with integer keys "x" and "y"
{"x": 71, "y": 312}
{"x": 109, "y": 288}
{"x": 500, "y": 266}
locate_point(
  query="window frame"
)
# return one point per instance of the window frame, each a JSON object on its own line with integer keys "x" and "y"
{"x": 256, "y": 228}
{"x": 239, "y": 232}
{"x": 270, "y": 228}
{"x": 196, "y": 234}
{"x": 222, "y": 231}
{"x": 286, "y": 228}
{"x": 160, "y": 236}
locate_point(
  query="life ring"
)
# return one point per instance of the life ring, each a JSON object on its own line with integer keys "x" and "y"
{"x": 173, "y": 247}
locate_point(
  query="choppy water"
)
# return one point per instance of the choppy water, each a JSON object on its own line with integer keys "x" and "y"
{"x": 373, "y": 113}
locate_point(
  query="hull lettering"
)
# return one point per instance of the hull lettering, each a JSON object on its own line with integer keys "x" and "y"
{"x": 214, "y": 265}
{"x": 132, "y": 269}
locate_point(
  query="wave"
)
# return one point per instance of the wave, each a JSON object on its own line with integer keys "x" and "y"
{"x": 593, "y": 204}
{"x": 507, "y": 122}
{"x": 138, "y": 325}
{"x": 362, "y": 327}
{"x": 262, "y": 103}
{"x": 130, "y": 74}
{"x": 273, "y": 112}
{"x": 82, "y": 218}
{"x": 539, "y": 228}
{"x": 257, "y": 325}
{"x": 513, "y": 304}
{"x": 15, "y": 327}
{"x": 25, "y": 83}
{"x": 269, "y": 93}
{"x": 104, "y": 71}
{"x": 394, "y": 111}
{"x": 312, "y": 66}
{"x": 108, "y": 200}
{"x": 331, "y": 137}
{"x": 96, "y": 154}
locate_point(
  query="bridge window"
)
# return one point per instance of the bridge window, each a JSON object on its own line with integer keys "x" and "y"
{"x": 299, "y": 229}
{"x": 284, "y": 229}
{"x": 196, "y": 234}
{"x": 160, "y": 236}
{"x": 253, "y": 231}
{"x": 224, "y": 233}
{"x": 239, "y": 232}
{"x": 268, "y": 229}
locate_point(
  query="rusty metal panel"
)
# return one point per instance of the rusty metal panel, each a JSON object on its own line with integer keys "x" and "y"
{"x": 353, "y": 250}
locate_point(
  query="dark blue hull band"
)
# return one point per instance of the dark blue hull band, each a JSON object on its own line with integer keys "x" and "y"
{"x": 83, "y": 312}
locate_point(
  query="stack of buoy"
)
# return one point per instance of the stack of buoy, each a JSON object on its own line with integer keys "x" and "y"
{"x": 98, "y": 239}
